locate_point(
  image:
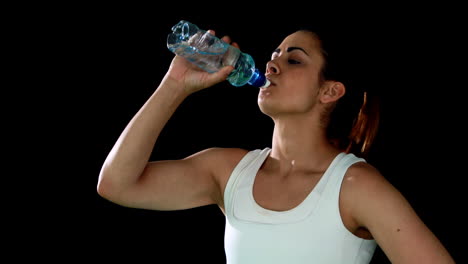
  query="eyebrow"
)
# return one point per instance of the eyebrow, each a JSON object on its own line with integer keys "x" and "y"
{"x": 291, "y": 49}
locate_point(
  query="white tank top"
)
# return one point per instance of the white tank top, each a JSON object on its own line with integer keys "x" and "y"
{"x": 312, "y": 232}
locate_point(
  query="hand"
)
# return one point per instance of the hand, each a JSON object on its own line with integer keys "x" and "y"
{"x": 191, "y": 77}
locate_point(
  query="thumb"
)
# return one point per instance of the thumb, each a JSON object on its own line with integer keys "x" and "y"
{"x": 220, "y": 75}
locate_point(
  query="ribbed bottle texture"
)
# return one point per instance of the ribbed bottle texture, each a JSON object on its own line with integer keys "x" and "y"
{"x": 211, "y": 54}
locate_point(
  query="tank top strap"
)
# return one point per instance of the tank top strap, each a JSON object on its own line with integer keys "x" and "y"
{"x": 338, "y": 171}
{"x": 252, "y": 159}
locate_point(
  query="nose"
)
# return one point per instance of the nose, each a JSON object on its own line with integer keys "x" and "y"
{"x": 272, "y": 68}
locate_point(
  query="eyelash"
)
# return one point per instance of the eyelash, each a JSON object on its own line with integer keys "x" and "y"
{"x": 290, "y": 61}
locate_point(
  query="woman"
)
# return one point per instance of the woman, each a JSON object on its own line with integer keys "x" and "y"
{"x": 310, "y": 198}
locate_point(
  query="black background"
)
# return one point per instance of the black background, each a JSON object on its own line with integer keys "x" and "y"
{"x": 108, "y": 60}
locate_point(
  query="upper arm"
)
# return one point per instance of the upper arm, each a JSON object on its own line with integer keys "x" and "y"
{"x": 378, "y": 206}
{"x": 178, "y": 184}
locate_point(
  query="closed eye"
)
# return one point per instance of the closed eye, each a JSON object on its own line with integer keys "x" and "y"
{"x": 290, "y": 61}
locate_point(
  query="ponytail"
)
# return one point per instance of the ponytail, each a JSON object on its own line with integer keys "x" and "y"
{"x": 365, "y": 126}
{"x": 352, "y": 122}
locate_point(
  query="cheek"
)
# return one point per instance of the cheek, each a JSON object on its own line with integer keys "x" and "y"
{"x": 299, "y": 99}
{"x": 304, "y": 96}
{"x": 302, "y": 102}
{"x": 302, "y": 87}
{"x": 306, "y": 83}
{"x": 303, "y": 78}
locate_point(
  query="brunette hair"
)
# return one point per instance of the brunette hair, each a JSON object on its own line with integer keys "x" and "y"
{"x": 352, "y": 123}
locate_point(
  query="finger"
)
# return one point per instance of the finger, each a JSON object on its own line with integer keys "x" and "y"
{"x": 219, "y": 76}
{"x": 212, "y": 32}
{"x": 235, "y": 45}
{"x": 226, "y": 39}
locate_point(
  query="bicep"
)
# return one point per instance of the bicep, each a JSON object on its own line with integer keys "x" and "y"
{"x": 174, "y": 184}
{"x": 394, "y": 224}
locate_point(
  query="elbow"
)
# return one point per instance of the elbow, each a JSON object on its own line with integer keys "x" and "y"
{"x": 106, "y": 188}
{"x": 106, "y": 185}
{"x": 103, "y": 187}
{"x": 110, "y": 188}
{"x": 113, "y": 185}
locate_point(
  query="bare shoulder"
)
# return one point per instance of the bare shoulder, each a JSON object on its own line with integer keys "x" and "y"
{"x": 363, "y": 183}
{"x": 376, "y": 205}
{"x": 220, "y": 160}
{"x": 363, "y": 174}
{"x": 227, "y": 159}
{"x": 220, "y": 157}
{"x": 225, "y": 152}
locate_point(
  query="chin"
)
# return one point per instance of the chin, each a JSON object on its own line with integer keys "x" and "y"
{"x": 266, "y": 108}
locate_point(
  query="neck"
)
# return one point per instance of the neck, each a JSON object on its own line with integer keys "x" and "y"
{"x": 300, "y": 144}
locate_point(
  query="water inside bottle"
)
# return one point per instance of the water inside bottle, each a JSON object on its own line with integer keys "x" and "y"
{"x": 211, "y": 53}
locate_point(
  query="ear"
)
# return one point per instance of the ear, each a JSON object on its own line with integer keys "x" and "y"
{"x": 332, "y": 91}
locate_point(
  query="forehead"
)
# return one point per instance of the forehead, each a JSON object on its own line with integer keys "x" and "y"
{"x": 306, "y": 40}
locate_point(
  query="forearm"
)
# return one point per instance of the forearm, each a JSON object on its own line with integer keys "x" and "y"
{"x": 130, "y": 154}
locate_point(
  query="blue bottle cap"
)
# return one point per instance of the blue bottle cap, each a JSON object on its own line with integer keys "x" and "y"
{"x": 259, "y": 80}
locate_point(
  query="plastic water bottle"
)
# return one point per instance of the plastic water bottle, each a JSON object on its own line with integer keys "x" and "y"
{"x": 211, "y": 54}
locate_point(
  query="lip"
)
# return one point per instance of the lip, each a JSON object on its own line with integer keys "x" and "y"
{"x": 264, "y": 92}
{"x": 271, "y": 81}
{"x": 264, "y": 89}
